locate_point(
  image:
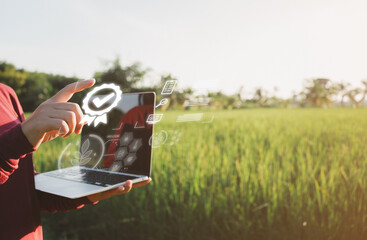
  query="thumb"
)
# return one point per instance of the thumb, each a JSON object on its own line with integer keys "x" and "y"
{"x": 67, "y": 92}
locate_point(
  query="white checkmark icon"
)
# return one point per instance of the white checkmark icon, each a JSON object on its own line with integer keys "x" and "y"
{"x": 100, "y": 101}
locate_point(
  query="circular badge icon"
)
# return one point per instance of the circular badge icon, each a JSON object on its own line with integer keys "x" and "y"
{"x": 158, "y": 139}
{"x": 100, "y": 115}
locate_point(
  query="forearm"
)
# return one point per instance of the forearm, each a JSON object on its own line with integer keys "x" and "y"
{"x": 13, "y": 146}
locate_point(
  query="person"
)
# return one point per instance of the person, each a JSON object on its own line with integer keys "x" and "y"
{"x": 20, "y": 202}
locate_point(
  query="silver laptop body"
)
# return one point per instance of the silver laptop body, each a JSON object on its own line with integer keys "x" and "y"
{"x": 110, "y": 154}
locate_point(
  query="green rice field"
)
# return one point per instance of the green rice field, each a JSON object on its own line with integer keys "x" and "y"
{"x": 250, "y": 174}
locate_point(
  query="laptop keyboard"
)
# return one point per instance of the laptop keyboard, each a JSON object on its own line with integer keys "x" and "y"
{"x": 91, "y": 177}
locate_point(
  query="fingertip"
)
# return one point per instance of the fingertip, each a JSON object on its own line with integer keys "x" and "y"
{"x": 91, "y": 81}
{"x": 83, "y": 84}
{"x": 84, "y": 120}
{"x": 79, "y": 129}
{"x": 128, "y": 184}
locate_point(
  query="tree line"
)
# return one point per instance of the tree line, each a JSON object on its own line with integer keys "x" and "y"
{"x": 33, "y": 88}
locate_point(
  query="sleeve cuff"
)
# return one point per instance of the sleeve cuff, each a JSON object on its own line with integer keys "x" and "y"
{"x": 15, "y": 143}
{"x": 27, "y": 146}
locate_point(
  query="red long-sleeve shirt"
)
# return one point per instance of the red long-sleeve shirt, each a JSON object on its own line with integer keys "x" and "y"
{"x": 20, "y": 202}
{"x": 136, "y": 115}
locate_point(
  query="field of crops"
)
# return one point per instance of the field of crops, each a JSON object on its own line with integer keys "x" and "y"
{"x": 251, "y": 174}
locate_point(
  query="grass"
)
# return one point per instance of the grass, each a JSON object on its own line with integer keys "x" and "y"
{"x": 251, "y": 174}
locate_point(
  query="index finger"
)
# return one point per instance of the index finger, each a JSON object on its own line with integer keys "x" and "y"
{"x": 67, "y": 92}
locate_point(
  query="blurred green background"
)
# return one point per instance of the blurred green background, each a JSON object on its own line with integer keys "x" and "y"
{"x": 284, "y": 158}
{"x": 251, "y": 174}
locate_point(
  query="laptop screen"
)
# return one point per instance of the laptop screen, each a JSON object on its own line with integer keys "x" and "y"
{"x": 123, "y": 144}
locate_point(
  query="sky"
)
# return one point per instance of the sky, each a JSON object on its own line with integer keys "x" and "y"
{"x": 206, "y": 44}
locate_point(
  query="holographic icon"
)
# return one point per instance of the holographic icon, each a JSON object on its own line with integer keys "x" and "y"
{"x": 175, "y": 137}
{"x": 191, "y": 117}
{"x": 135, "y": 145}
{"x": 121, "y": 153}
{"x": 118, "y": 127}
{"x": 91, "y": 153}
{"x": 136, "y": 125}
{"x": 116, "y": 166}
{"x": 158, "y": 139}
{"x": 130, "y": 159}
{"x": 210, "y": 121}
{"x": 84, "y": 156}
{"x": 168, "y": 87}
{"x": 154, "y": 118}
{"x": 66, "y": 158}
{"x": 100, "y": 115}
{"x": 162, "y": 102}
{"x": 97, "y": 146}
{"x": 111, "y": 142}
{"x": 126, "y": 138}
{"x": 126, "y": 153}
{"x": 197, "y": 101}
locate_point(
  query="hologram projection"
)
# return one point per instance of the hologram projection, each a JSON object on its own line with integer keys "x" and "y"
{"x": 125, "y": 138}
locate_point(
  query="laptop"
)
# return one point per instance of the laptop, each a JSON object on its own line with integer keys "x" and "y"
{"x": 109, "y": 154}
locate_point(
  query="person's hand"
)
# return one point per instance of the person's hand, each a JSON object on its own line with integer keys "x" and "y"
{"x": 56, "y": 117}
{"x": 117, "y": 191}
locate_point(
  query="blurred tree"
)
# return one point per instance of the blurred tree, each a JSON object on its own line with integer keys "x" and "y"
{"x": 220, "y": 100}
{"x": 240, "y": 98}
{"x": 36, "y": 90}
{"x": 33, "y": 88}
{"x": 12, "y": 77}
{"x": 343, "y": 89}
{"x": 217, "y": 100}
{"x": 301, "y": 99}
{"x": 260, "y": 97}
{"x": 230, "y": 102}
{"x": 318, "y": 92}
{"x": 177, "y": 98}
{"x": 127, "y": 77}
{"x": 183, "y": 96}
{"x": 58, "y": 82}
{"x": 354, "y": 93}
